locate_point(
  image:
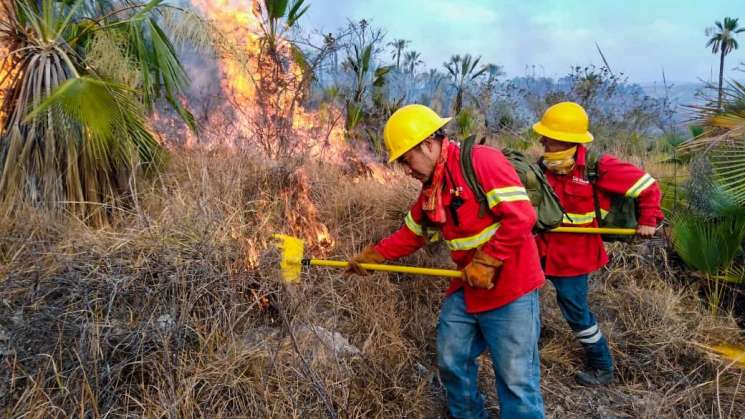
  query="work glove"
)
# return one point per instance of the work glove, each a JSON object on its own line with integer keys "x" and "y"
{"x": 367, "y": 255}
{"x": 646, "y": 231}
{"x": 481, "y": 271}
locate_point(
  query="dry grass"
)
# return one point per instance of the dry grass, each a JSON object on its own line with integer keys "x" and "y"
{"x": 164, "y": 313}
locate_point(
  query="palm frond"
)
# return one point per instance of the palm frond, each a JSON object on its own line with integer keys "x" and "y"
{"x": 160, "y": 67}
{"x": 187, "y": 29}
{"x": 88, "y": 101}
{"x": 728, "y": 160}
{"x": 296, "y": 12}
{"x": 707, "y": 245}
{"x": 733, "y": 275}
{"x": 722, "y": 140}
{"x": 276, "y": 8}
{"x": 107, "y": 53}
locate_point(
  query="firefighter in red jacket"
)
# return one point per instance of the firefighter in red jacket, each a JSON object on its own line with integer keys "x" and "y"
{"x": 495, "y": 304}
{"x": 569, "y": 258}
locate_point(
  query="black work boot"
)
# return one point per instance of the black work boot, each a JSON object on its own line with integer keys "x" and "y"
{"x": 594, "y": 377}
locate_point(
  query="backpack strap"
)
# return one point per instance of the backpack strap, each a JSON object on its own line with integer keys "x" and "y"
{"x": 543, "y": 169}
{"x": 466, "y": 165}
{"x": 426, "y": 227}
{"x": 592, "y": 173}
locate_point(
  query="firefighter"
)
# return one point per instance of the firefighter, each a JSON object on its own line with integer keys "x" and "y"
{"x": 568, "y": 259}
{"x": 495, "y": 304}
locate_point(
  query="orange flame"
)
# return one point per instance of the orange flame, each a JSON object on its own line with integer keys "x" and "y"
{"x": 263, "y": 90}
{"x": 252, "y": 255}
{"x": 4, "y": 79}
{"x": 302, "y": 215}
{"x": 260, "y": 87}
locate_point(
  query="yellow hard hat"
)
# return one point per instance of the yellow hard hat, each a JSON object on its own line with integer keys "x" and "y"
{"x": 409, "y": 126}
{"x": 565, "y": 121}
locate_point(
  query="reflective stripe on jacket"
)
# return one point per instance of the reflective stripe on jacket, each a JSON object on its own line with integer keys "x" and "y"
{"x": 569, "y": 254}
{"x": 505, "y": 232}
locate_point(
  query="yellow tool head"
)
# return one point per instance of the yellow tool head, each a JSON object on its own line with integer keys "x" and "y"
{"x": 292, "y": 256}
{"x": 732, "y": 353}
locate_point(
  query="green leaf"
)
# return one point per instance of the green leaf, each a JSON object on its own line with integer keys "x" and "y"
{"x": 89, "y": 101}
{"x": 733, "y": 275}
{"x": 276, "y": 8}
{"x": 145, "y": 10}
{"x": 380, "y": 75}
{"x": 366, "y": 58}
{"x": 76, "y": 6}
{"x": 354, "y": 115}
{"x": 296, "y": 12}
{"x": 708, "y": 245}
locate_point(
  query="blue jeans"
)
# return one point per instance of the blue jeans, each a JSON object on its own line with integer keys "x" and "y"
{"x": 511, "y": 334}
{"x": 571, "y": 294}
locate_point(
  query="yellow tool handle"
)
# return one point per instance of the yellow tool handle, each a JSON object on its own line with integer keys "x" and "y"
{"x": 450, "y": 273}
{"x": 389, "y": 268}
{"x": 595, "y": 230}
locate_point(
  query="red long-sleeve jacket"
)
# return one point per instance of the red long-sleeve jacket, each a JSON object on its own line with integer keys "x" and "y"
{"x": 568, "y": 254}
{"x": 504, "y": 232}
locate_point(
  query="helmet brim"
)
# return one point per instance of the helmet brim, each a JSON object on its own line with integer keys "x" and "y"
{"x": 568, "y": 137}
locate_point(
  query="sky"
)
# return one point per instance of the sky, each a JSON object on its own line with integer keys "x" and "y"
{"x": 638, "y": 38}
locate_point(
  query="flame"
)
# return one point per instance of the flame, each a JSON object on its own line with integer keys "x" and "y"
{"x": 252, "y": 255}
{"x": 261, "y": 301}
{"x": 302, "y": 215}
{"x": 241, "y": 26}
{"x": 254, "y": 104}
{"x": 262, "y": 93}
{"x": 4, "y": 79}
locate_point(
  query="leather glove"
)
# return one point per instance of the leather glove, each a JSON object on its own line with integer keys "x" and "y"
{"x": 367, "y": 255}
{"x": 646, "y": 231}
{"x": 481, "y": 271}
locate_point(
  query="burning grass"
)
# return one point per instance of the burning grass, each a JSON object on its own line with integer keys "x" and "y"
{"x": 176, "y": 310}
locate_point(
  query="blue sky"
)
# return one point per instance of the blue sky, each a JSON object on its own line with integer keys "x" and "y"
{"x": 637, "y": 37}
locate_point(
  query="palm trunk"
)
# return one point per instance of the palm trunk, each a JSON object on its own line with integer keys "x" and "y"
{"x": 458, "y": 101}
{"x": 721, "y": 79}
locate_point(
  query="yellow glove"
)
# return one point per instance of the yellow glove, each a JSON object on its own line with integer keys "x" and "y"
{"x": 367, "y": 255}
{"x": 481, "y": 271}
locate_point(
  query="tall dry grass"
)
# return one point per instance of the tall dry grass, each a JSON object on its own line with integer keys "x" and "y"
{"x": 176, "y": 310}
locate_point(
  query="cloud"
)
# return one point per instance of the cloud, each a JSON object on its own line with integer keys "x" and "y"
{"x": 638, "y": 36}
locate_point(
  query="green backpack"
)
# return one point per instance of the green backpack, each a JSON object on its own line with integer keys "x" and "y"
{"x": 542, "y": 196}
{"x": 623, "y": 209}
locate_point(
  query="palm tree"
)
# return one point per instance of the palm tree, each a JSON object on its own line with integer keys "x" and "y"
{"x": 723, "y": 41}
{"x": 398, "y": 46}
{"x": 365, "y": 78}
{"x": 722, "y": 141}
{"x": 278, "y": 90}
{"x": 433, "y": 78}
{"x": 493, "y": 73}
{"x": 82, "y": 76}
{"x": 279, "y": 16}
{"x": 462, "y": 71}
{"x": 411, "y": 60}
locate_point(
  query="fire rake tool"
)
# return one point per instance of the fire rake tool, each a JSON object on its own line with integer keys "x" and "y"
{"x": 596, "y": 230}
{"x": 292, "y": 261}
{"x": 293, "y": 248}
